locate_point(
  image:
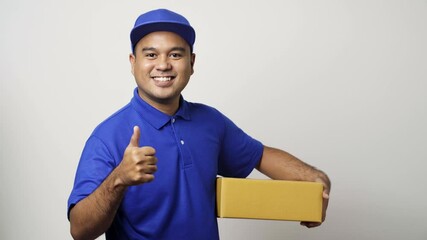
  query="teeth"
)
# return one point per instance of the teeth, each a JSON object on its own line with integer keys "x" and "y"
{"x": 162, "y": 79}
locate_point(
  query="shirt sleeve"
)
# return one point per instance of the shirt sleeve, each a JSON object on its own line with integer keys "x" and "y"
{"x": 240, "y": 153}
{"x": 95, "y": 165}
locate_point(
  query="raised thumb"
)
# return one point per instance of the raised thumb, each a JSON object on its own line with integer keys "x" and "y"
{"x": 134, "y": 140}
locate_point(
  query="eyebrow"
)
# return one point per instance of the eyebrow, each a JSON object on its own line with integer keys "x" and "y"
{"x": 181, "y": 49}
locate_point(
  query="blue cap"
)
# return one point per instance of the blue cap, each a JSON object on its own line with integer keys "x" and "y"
{"x": 162, "y": 20}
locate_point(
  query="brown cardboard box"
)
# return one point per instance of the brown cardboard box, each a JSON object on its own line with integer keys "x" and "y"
{"x": 269, "y": 199}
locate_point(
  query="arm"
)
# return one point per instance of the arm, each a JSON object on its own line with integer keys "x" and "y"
{"x": 93, "y": 215}
{"x": 280, "y": 165}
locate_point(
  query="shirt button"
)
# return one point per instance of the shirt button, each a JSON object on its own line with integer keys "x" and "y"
{"x": 182, "y": 142}
{"x": 173, "y": 120}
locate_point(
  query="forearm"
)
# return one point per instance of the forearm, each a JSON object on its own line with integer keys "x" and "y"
{"x": 93, "y": 215}
{"x": 280, "y": 165}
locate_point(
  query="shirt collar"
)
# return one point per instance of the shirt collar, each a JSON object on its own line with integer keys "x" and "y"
{"x": 154, "y": 117}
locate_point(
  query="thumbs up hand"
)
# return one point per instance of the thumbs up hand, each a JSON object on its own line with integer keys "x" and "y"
{"x": 138, "y": 164}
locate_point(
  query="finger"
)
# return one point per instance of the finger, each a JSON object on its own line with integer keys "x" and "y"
{"x": 134, "y": 140}
{"x": 325, "y": 195}
{"x": 310, "y": 224}
{"x": 144, "y": 178}
{"x": 148, "y": 178}
{"x": 148, "y": 151}
{"x": 149, "y": 169}
{"x": 151, "y": 160}
{"x": 144, "y": 160}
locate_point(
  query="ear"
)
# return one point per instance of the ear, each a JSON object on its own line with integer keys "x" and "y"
{"x": 132, "y": 59}
{"x": 193, "y": 59}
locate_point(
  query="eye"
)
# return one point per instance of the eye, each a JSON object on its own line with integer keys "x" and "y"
{"x": 175, "y": 55}
{"x": 150, "y": 55}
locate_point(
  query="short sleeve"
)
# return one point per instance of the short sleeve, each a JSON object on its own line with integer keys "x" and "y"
{"x": 240, "y": 153}
{"x": 96, "y": 163}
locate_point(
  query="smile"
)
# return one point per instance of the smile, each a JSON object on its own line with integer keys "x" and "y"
{"x": 163, "y": 79}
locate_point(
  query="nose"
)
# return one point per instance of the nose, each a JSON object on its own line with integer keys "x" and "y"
{"x": 163, "y": 64}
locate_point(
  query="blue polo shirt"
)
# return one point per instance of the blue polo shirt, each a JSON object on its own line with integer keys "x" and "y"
{"x": 193, "y": 147}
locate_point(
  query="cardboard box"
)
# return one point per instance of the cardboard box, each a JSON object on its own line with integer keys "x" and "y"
{"x": 269, "y": 199}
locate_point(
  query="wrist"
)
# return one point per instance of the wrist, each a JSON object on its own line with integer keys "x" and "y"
{"x": 117, "y": 182}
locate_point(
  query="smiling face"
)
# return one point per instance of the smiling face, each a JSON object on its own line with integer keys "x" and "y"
{"x": 162, "y": 66}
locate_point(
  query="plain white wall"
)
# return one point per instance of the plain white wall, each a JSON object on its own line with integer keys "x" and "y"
{"x": 340, "y": 84}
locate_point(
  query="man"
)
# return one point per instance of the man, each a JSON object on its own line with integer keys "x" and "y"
{"x": 149, "y": 170}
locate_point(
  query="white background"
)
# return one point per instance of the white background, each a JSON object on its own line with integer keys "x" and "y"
{"x": 340, "y": 84}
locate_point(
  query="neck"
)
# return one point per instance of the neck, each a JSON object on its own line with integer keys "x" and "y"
{"x": 166, "y": 106}
{"x": 169, "y": 109}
